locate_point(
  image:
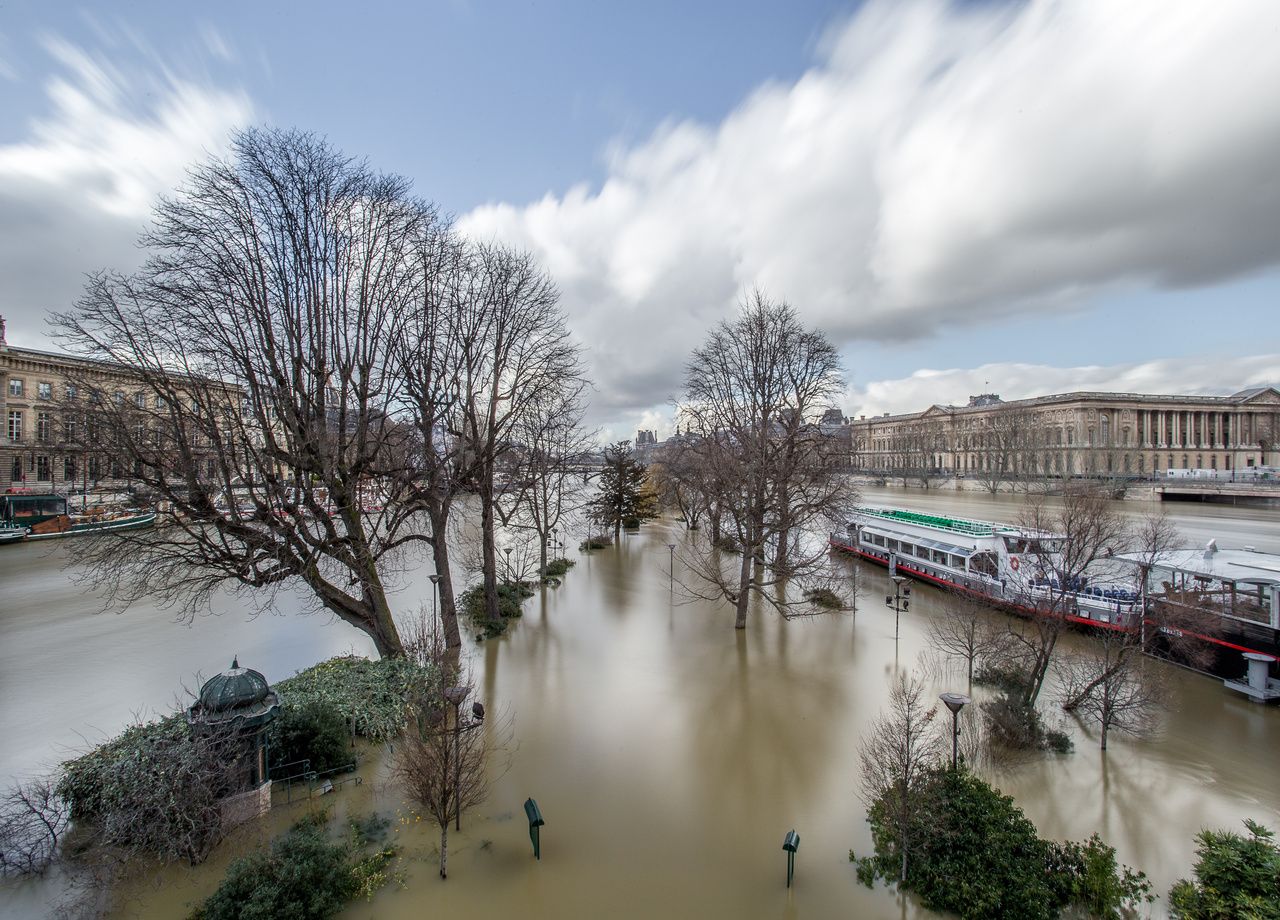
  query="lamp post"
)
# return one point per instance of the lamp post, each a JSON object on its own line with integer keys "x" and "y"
{"x": 435, "y": 592}
{"x": 456, "y": 695}
{"x": 508, "y": 552}
{"x": 955, "y": 702}
{"x": 671, "y": 569}
{"x": 900, "y": 600}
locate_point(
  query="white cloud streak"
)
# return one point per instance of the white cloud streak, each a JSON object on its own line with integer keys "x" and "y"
{"x": 936, "y": 166}
{"x": 1169, "y": 376}
{"x": 76, "y": 190}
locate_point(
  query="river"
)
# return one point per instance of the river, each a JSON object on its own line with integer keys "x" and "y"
{"x": 669, "y": 753}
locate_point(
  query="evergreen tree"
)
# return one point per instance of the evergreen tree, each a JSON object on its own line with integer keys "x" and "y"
{"x": 625, "y": 498}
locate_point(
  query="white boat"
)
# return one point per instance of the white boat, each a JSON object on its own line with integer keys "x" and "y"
{"x": 1002, "y": 563}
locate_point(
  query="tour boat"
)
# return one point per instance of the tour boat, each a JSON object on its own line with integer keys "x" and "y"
{"x": 1013, "y": 568}
{"x": 33, "y": 516}
{"x": 1007, "y": 565}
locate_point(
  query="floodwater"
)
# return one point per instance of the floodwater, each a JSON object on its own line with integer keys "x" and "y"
{"x": 669, "y": 753}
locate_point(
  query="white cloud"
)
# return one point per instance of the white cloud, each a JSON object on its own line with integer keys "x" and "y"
{"x": 937, "y": 165}
{"x": 75, "y": 191}
{"x": 1170, "y": 376}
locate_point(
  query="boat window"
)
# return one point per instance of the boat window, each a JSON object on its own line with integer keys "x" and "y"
{"x": 984, "y": 563}
{"x": 939, "y": 557}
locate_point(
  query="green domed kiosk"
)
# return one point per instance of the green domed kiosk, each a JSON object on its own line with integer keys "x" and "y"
{"x": 240, "y": 704}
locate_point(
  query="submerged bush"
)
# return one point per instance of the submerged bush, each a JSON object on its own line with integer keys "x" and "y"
{"x": 557, "y": 568}
{"x": 304, "y": 875}
{"x": 511, "y": 595}
{"x": 1015, "y": 724}
{"x": 977, "y": 855}
{"x": 596, "y": 541}
{"x": 824, "y": 597}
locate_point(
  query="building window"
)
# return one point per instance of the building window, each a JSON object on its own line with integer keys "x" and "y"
{"x": 44, "y": 389}
{"x": 44, "y": 470}
{"x": 140, "y": 400}
{"x": 15, "y": 386}
{"x": 69, "y": 430}
{"x": 69, "y": 469}
{"x": 119, "y": 397}
{"x": 15, "y": 472}
{"x": 71, "y": 391}
{"x": 43, "y": 424}
{"x": 160, "y": 402}
{"x": 15, "y": 425}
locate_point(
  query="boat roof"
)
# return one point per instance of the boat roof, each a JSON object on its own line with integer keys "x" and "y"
{"x": 1226, "y": 565}
{"x": 970, "y": 528}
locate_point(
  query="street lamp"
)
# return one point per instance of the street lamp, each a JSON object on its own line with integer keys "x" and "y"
{"x": 955, "y": 702}
{"x": 508, "y": 552}
{"x": 435, "y": 591}
{"x": 671, "y": 570}
{"x": 900, "y": 600}
{"x": 456, "y": 695}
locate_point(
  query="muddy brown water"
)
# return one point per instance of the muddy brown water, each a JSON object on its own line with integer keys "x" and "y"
{"x": 669, "y": 753}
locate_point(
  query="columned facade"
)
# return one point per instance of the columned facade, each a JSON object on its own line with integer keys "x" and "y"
{"x": 1078, "y": 434}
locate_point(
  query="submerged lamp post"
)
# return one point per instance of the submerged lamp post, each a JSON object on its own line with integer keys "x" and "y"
{"x": 671, "y": 569}
{"x": 456, "y": 695}
{"x": 508, "y": 552}
{"x": 900, "y": 600}
{"x": 955, "y": 702}
{"x": 791, "y": 843}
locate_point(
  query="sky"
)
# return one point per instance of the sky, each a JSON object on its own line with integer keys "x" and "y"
{"x": 1010, "y": 197}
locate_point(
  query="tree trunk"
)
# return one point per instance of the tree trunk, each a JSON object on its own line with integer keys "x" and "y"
{"x": 489, "y": 565}
{"x": 440, "y": 554}
{"x": 444, "y": 849}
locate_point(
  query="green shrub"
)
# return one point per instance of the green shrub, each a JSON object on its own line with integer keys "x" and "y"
{"x": 557, "y": 568}
{"x": 596, "y": 541}
{"x": 314, "y": 731}
{"x": 977, "y": 855}
{"x": 303, "y": 876}
{"x": 368, "y": 694}
{"x": 1018, "y": 725}
{"x": 631, "y": 523}
{"x": 1234, "y": 877}
{"x": 511, "y": 595}
{"x": 824, "y": 597}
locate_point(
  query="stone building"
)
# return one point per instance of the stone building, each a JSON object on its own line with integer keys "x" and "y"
{"x": 1075, "y": 434}
{"x": 61, "y": 415}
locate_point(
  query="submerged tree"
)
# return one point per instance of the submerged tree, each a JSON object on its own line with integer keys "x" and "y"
{"x": 624, "y": 494}
{"x": 754, "y": 392}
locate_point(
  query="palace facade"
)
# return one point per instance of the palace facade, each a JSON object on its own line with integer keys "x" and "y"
{"x": 62, "y": 415}
{"x": 1075, "y": 434}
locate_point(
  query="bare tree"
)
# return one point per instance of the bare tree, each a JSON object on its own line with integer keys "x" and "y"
{"x": 1086, "y": 527}
{"x": 1112, "y": 685}
{"x": 443, "y": 762}
{"x": 262, "y": 332}
{"x": 33, "y": 820}
{"x": 754, "y": 392}
{"x": 898, "y": 753}
{"x": 921, "y": 445}
{"x": 541, "y": 472}
{"x": 965, "y": 633}
{"x": 1004, "y": 443}
{"x": 515, "y": 356}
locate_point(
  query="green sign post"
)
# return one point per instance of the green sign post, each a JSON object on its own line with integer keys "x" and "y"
{"x": 791, "y": 843}
{"x": 535, "y": 822}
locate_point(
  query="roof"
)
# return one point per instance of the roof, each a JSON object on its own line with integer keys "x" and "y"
{"x": 969, "y": 528}
{"x": 1226, "y": 565}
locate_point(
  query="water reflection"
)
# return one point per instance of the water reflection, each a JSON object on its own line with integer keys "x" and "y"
{"x": 669, "y": 752}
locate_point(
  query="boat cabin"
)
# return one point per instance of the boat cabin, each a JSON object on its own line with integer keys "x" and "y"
{"x": 19, "y": 509}
{"x": 1241, "y": 584}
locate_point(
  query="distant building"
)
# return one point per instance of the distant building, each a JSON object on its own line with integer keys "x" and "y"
{"x": 58, "y": 435}
{"x": 646, "y": 437}
{"x": 1075, "y": 434}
